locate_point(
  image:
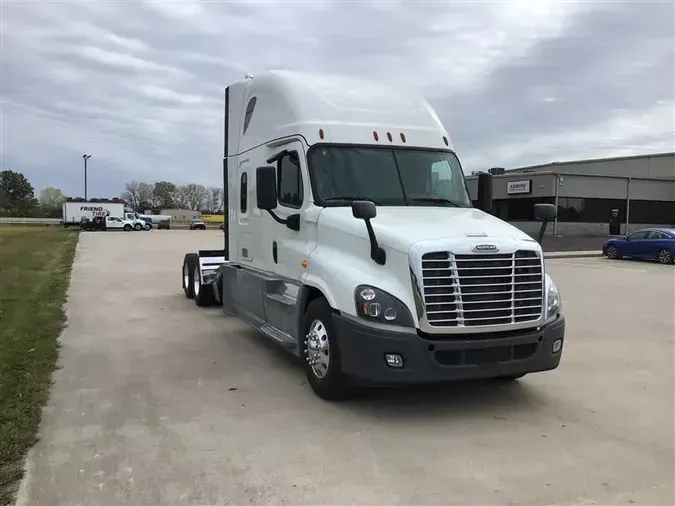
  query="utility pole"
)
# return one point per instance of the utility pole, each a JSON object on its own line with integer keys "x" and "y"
{"x": 85, "y": 158}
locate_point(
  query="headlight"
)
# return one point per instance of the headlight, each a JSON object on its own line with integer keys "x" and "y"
{"x": 381, "y": 307}
{"x": 553, "y": 303}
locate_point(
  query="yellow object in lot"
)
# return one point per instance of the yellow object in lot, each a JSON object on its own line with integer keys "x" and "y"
{"x": 212, "y": 218}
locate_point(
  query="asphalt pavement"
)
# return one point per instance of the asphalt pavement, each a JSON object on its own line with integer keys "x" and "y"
{"x": 159, "y": 402}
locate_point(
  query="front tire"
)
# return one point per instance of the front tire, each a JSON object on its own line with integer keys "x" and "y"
{"x": 612, "y": 252}
{"x": 321, "y": 352}
{"x": 663, "y": 256}
{"x": 127, "y": 228}
{"x": 138, "y": 226}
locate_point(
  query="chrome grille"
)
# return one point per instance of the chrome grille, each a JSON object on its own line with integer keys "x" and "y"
{"x": 482, "y": 289}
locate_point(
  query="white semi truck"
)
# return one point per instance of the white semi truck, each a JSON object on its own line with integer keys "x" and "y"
{"x": 352, "y": 242}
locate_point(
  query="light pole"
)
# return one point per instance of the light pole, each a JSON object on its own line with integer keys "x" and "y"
{"x": 85, "y": 158}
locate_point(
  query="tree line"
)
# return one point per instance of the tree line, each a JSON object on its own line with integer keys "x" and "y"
{"x": 167, "y": 195}
{"x": 18, "y": 199}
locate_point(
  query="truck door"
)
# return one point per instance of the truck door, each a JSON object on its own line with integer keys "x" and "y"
{"x": 113, "y": 222}
{"x": 285, "y": 249}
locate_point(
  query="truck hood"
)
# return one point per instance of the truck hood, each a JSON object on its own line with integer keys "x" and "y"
{"x": 400, "y": 227}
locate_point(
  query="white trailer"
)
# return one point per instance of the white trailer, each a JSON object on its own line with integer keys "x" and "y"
{"x": 73, "y": 212}
{"x": 352, "y": 242}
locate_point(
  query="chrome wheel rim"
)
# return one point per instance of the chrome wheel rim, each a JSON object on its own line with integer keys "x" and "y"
{"x": 196, "y": 285}
{"x": 663, "y": 257}
{"x": 186, "y": 276}
{"x": 318, "y": 349}
{"x": 611, "y": 252}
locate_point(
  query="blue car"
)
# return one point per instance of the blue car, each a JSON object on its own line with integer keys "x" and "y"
{"x": 649, "y": 243}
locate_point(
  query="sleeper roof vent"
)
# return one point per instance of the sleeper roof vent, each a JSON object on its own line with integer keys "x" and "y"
{"x": 248, "y": 76}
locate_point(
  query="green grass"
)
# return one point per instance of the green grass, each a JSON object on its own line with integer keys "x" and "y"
{"x": 35, "y": 264}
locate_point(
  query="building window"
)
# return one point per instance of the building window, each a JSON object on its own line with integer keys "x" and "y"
{"x": 600, "y": 210}
{"x": 652, "y": 212}
{"x": 249, "y": 113}
{"x": 243, "y": 189}
{"x": 519, "y": 209}
{"x": 289, "y": 181}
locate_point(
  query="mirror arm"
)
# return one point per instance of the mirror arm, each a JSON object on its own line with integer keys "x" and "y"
{"x": 276, "y": 218}
{"x": 542, "y": 231}
{"x": 376, "y": 253}
{"x": 277, "y": 156}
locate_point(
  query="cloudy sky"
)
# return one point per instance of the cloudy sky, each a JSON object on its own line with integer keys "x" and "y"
{"x": 139, "y": 85}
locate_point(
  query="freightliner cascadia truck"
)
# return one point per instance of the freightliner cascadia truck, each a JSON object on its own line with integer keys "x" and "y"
{"x": 352, "y": 242}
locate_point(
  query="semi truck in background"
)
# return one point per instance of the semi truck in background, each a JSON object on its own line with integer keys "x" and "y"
{"x": 351, "y": 241}
{"x": 75, "y": 212}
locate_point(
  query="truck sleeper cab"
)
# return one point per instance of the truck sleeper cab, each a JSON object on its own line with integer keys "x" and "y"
{"x": 352, "y": 242}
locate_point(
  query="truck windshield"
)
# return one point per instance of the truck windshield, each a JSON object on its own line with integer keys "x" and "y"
{"x": 387, "y": 176}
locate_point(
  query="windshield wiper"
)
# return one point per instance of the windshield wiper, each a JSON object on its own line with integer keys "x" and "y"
{"x": 435, "y": 200}
{"x": 351, "y": 199}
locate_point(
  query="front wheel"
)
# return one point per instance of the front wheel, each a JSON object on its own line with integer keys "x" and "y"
{"x": 138, "y": 226}
{"x": 127, "y": 228}
{"x": 612, "y": 252}
{"x": 322, "y": 353}
{"x": 663, "y": 256}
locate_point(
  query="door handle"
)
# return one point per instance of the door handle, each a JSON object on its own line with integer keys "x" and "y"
{"x": 274, "y": 251}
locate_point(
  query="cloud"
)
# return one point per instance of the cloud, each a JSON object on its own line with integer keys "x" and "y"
{"x": 139, "y": 85}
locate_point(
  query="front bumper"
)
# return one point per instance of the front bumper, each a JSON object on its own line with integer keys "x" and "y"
{"x": 445, "y": 358}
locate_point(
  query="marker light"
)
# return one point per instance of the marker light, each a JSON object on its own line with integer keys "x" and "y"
{"x": 389, "y": 136}
{"x": 445, "y": 140}
{"x": 321, "y": 133}
{"x": 375, "y": 136}
{"x": 402, "y": 136}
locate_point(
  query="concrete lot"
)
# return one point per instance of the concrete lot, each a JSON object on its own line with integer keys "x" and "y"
{"x": 160, "y": 402}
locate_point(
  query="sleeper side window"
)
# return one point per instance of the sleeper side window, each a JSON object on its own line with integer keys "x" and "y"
{"x": 289, "y": 181}
{"x": 249, "y": 113}
{"x": 243, "y": 192}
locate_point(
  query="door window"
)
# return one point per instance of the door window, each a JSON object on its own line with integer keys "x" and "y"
{"x": 289, "y": 181}
{"x": 638, "y": 235}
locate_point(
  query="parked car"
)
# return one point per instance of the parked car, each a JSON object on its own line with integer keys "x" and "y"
{"x": 197, "y": 225}
{"x": 649, "y": 243}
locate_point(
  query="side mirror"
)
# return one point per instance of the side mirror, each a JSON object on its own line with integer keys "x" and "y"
{"x": 364, "y": 210}
{"x": 484, "y": 196}
{"x": 545, "y": 212}
{"x": 266, "y": 187}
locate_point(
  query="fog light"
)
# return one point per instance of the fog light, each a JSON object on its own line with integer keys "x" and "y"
{"x": 393, "y": 360}
{"x": 557, "y": 344}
